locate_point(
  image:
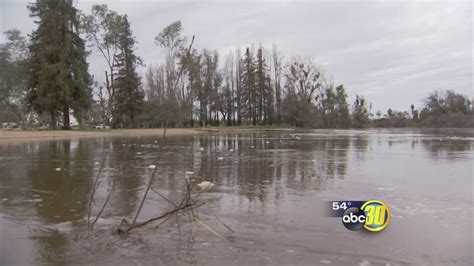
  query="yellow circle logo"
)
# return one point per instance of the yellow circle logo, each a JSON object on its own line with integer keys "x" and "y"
{"x": 377, "y": 215}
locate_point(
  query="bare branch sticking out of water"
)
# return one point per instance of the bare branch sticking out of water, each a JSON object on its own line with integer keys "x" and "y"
{"x": 103, "y": 206}
{"x": 94, "y": 188}
{"x": 188, "y": 204}
{"x": 144, "y": 196}
{"x": 207, "y": 227}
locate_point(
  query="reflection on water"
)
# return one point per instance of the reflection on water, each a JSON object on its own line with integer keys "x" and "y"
{"x": 268, "y": 188}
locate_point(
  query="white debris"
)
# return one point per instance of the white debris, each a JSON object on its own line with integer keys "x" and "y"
{"x": 96, "y": 163}
{"x": 220, "y": 158}
{"x": 156, "y": 141}
{"x": 325, "y": 261}
{"x": 267, "y": 142}
{"x": 152, "y": 166}
{"x": 138, "y": 153}
{"x": 33, "y": 200}
{"x": 205, "y": 184}
{"x": 252, "y": 147}
{"x": 231, "y": 150}
{"x": 57, "y": 169}
{"x": 189, "y": 173}
{"x": 201, "y": 149}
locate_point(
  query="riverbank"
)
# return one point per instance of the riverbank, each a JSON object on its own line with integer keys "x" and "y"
{"x": 7, "y": 136}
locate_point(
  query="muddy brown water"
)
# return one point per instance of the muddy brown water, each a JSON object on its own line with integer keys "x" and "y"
{"x": 270, "y": 189}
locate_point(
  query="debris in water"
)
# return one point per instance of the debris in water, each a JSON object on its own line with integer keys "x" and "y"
{"x": 33, "y": 200}
{"x": 139, "y": 153}
{"x": 155, "y": 141}
{"x": 205, "y": 184}
{"x": 201, "y": 149}
{"x": 206, "y": 244}
{"x": 96, "y": 163}
{"x": 57, "y": 169}
{"x": 220, "y": 158}
{"x": 152, "y": 166}
{"x": 231, "y": 150}
{"x": 252, "y": 147}
{"x": 325, "y": 261}
{"x": 267, "y": 142}
{"x": 189, "y": 173}
{"x": 290, "y": 251}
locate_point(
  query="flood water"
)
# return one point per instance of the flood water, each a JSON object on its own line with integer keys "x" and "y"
{"x": 270, "y": 189}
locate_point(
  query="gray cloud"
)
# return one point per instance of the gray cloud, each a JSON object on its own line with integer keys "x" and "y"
{"x": 394, "y": 52}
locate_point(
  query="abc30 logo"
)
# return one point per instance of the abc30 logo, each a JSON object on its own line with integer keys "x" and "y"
{"x": 373, "y": 216}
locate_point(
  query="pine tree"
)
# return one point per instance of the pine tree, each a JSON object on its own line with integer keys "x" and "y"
{"x": 264, "y": 90}
{"x": 127, "y": 82}
{"x": 248, "y": 88}
{"x": 59, "y": 80}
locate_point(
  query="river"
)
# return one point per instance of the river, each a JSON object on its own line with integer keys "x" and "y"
{"x": 267, "y": 206}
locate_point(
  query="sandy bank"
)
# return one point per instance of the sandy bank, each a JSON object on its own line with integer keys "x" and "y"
{"x": 7, "y": 136}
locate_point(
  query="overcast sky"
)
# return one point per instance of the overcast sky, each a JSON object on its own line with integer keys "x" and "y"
{"x": 393, "y": 52}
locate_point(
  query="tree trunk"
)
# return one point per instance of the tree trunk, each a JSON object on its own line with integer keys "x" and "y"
{"x": 66, "y": 120}
{"x": 53, "y": 121}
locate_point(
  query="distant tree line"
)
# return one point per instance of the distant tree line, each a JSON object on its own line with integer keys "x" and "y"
{"x": 45, "y": 80}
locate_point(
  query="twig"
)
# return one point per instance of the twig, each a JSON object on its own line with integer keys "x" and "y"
{"x": 103, "y": 206}
{"x": 218, "y": 219}
{"x": 188, "y": 196}
{"x": 133, "y": 226}
{"x": 94, "y": 189}
{"x": 165, "y": 198}
{"x": 144, "y": 196}
{"x": 207, "y": 227}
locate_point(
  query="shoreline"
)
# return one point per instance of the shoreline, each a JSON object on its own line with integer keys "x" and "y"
{"x": 9, "y": 136}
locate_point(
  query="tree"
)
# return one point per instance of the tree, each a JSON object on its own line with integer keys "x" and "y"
{"x": 277, "y": 69}
{"x": 103, "y": 28}
{"x": 303, "y": 80}
{"x": 127, "y": 83}
{"x": 13, "y": 75}
{"x": 360, "y": 114}
{"x": 447, "y": 109}
{"x": 248, "y": 88}
{"x": 264, "y": 90}
{"x": 335, "y": 110}
{"x": 59, "y": 80}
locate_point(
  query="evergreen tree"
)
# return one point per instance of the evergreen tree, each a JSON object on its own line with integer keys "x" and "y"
{"x": 127, "y": 83}
{"x": 264, "y": 90}
{"x": 248, "y": 93}
{"x": 59, "y": 80}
